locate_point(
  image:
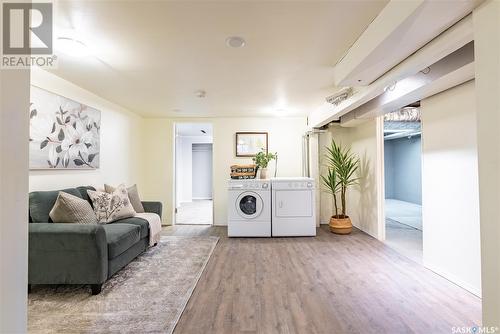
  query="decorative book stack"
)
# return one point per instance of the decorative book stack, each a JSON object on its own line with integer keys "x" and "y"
{"x": 243, "y": 171}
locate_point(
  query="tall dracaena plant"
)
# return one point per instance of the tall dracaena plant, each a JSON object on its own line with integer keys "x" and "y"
{"x": 342, "y": 167}
{"x": 332, "y": 186}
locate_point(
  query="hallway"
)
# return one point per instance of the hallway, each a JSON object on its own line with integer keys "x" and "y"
{"x": 403, "y": 228}
{"x": 197, "y": 212}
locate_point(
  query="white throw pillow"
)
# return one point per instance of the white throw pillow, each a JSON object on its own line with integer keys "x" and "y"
{"x": 133, "y": 196}
{"x": 109, "y": 207}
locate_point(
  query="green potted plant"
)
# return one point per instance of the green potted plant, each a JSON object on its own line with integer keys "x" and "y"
{"x": 342, "y": 166}
{"x": 262, "y": 159}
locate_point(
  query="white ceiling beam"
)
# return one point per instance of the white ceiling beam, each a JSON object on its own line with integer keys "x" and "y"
{"x": 448, "y": 42}
{"x": 400, "y": 29}
{"x": 390, "y": 18}
{"x": 449, "y": 72}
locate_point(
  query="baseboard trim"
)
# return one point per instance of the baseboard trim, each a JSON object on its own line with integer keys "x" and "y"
{"x": 452, "y": 278}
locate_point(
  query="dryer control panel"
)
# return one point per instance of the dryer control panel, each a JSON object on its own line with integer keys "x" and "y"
{"x": 291, "y": 184}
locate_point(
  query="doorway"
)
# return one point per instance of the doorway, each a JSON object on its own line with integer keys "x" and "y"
{"x": 193, "y": 174}
{"x": 403, "y": 182}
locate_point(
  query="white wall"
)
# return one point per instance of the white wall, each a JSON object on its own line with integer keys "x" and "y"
{"x": 285, "y": 137}
{"x": 450, "y": 198}
{"x": 403, "y": 169}
{"x": 14, "y": 136}
{"x": 120, "y": 157}
{"x": 184, "y": 160}
{"x": 487, "y": 52}
{"x": 202, "y": 171}
{"x": 363, "y": 206}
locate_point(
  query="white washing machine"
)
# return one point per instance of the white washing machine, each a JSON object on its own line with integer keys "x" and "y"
{"x": 293, "y": 211}
{"x": 249, "y": 208}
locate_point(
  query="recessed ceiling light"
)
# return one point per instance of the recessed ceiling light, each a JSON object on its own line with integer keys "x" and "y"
{"x": 72, "y": 47}
{"x": 235, "y": 42}
{"x": 200, "y": 93}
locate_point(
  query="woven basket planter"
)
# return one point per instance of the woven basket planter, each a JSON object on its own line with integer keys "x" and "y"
{"x": 340, "y": 225}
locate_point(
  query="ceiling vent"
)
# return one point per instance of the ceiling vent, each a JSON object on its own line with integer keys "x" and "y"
{"x": 340, "y": 96}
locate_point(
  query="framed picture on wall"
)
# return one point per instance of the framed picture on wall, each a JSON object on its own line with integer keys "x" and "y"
{"x": 248, "y": 144}
{"x": 64, "y": 134}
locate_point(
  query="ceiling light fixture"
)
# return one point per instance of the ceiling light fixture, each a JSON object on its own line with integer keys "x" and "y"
{"x": 200, "y": 93}
{"x": 72, "y": 47}
{"x": 235, "y": 42}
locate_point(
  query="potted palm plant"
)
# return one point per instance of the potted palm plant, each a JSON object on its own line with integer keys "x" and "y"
{"x": 342, "y": 166}
{"x": 262, "y": 159}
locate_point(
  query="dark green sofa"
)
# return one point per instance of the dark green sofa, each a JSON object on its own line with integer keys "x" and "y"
{"x": 81, "y": 254}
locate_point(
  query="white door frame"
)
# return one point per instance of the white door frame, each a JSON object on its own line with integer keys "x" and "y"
{"x": 174, "y": 169}
{"x": 380, "y": 178}
{"x": 174, "y": 173}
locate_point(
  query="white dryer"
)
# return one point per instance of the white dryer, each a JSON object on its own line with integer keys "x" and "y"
{"x": 249, "y": 208}
{"x": 293, "y": 211}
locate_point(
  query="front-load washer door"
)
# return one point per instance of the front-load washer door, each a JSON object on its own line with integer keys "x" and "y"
{"x": 249, "y": 205}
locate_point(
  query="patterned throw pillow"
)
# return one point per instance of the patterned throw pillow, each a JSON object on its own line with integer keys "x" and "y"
{"x": 113, "y": 206}
{"x": 133, "y": 196}
{"x": 71, "y": 209}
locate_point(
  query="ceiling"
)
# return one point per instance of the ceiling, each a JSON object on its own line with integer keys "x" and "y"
{"x": 193, "y": 129}
{"x": 152, "y": 56}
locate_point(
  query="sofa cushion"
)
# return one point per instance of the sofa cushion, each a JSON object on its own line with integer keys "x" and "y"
{"x": 41, "y": 202}
{"x": 143, "y": 224}
{"x": 121, "y": 237}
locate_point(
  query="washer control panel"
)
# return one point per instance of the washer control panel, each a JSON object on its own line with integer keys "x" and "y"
{"x": 249, "y": 185}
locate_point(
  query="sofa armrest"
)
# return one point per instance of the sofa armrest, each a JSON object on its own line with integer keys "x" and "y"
{"x": 67, "y": 254}
{"x": 153, "y": 207}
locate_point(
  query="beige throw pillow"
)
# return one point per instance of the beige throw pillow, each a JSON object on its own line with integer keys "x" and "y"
{"x": 71, "y": 209}
{"x": 133, "y": 196}
{"x": 109, "y": 207}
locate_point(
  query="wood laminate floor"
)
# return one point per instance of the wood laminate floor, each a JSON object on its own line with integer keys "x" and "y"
{"x": 405, "y": 239}
{"x": 326, "y": 284}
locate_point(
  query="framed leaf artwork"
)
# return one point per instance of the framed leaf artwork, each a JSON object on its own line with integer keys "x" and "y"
{"x": 64, "y": 134}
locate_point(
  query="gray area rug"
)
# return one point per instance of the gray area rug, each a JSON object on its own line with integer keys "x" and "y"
{"x": 147, "y": 296}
